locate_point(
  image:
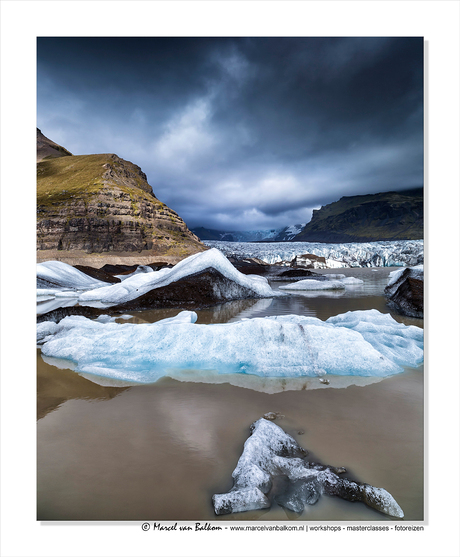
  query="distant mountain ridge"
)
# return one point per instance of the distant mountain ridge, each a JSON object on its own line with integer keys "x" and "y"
{"x": 368, "y": 218}
{"x": 284, "y": 234}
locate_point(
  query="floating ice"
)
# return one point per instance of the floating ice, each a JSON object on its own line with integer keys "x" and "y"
{"x": 351, "y": 281}
{"x": 140, "y": 283}
{"x": 366, "y": 344}
{"x": 45, "y": 329}
{"x": 270, "y": 452}
{"x": 311, "y": 284}
{"x": 400, "y": 343}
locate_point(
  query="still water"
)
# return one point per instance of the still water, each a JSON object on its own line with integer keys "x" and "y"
{"x": 159, "y": 452}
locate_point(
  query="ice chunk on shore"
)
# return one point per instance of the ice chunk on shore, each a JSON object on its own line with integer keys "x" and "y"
{"x": 271, "y": 452}
{"x": 56, "y": 274}
{"x": 140, "y": 283}
{"x": 282, "y": 346}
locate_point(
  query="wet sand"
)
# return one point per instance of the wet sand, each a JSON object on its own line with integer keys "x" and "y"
{"x": 159, "y": 452}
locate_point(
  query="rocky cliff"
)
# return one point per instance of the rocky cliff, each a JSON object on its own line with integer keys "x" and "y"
{"x": 47, "y": 149}
{"x": 96, "y": 209}
{"x": 368, "y": 218}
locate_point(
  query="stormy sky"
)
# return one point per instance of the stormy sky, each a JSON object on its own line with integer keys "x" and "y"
{"x": 242, "y": 133}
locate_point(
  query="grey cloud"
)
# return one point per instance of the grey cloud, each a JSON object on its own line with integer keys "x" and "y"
{"x": 245, "y": 130}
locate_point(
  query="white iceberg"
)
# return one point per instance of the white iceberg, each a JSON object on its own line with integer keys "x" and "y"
{"x": 311, "y": 284}
{"x": 141, "y": 283}
{"x": 351, "y": 281}
{"x": 367, "y": 344}
{"x": 56, "y": 274}
{"x": 270, "y": 452}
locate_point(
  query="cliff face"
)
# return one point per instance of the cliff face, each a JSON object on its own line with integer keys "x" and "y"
{"x": 368, "y": 218}
{"x": 92, "y": 205}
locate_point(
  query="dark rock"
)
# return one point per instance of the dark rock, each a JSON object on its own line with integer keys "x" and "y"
{"x": 406, "y": 294}
{"x": 294, "y": 273}
{"x": 204, "y": 289}
{"x": 99, "y": 274}
{"x": 57, "y": 314}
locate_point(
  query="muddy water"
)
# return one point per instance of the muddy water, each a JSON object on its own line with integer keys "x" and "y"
{"x": 159, "y": 452}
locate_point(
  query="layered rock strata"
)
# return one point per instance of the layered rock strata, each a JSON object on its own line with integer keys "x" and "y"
{"x": 93, "y": 205}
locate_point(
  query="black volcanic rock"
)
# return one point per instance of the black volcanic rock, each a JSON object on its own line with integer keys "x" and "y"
{"x": 368, "y": 218}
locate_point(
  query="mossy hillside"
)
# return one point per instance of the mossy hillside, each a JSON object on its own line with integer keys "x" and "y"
{"x": 373, "y": 217}
{"x": 67, "y": 179}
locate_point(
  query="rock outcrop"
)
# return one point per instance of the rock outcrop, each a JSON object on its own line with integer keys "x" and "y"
{"x": 101, "y": 204}
{"x": 367, "y": 218}
{"x": 404, "y": 292}
{"x": 47, "y": 149}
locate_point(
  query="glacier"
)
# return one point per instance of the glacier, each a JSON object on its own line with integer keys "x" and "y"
{"x": 365, "y": 343}
{"x": 368, "y": 254}
{"x": 270, "y": 452}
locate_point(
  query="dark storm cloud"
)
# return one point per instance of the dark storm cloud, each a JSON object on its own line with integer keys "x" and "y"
{"x": 242, "y": 133}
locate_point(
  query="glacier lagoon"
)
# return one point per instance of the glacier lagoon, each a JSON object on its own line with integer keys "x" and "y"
{"x": 192, "y": 427}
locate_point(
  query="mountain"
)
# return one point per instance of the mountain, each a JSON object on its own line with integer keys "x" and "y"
{"x": 367, "y": 218}
{"x": 96, "y": 209}
{"x": 47, "y": 149}
{"x": 238, "y": 236}
{"x": 288, "y": 233}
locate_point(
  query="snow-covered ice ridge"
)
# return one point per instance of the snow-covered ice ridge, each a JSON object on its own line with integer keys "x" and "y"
{"x": 138, "y": 283}
{"x": 371, "y": 254}
{"x": 358, "y": 343}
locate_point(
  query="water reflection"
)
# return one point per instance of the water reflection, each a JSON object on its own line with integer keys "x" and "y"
{"x": 57, "y": 385}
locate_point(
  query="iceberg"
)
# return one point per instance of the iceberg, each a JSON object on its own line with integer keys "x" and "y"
{"x": 140, "y": 283}
{"x": 271, "y": 452}
{"x": 311, "y": 284}
{"x": 368, "y": 344}
{"x": 57, "y": 275}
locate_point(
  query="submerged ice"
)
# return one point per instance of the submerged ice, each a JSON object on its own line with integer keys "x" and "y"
{"x": 365, "y": 343}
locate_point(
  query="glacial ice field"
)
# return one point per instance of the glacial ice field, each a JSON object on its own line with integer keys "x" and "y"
{"x": 358, "y": 343}
{"x": 369, "y": 254}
